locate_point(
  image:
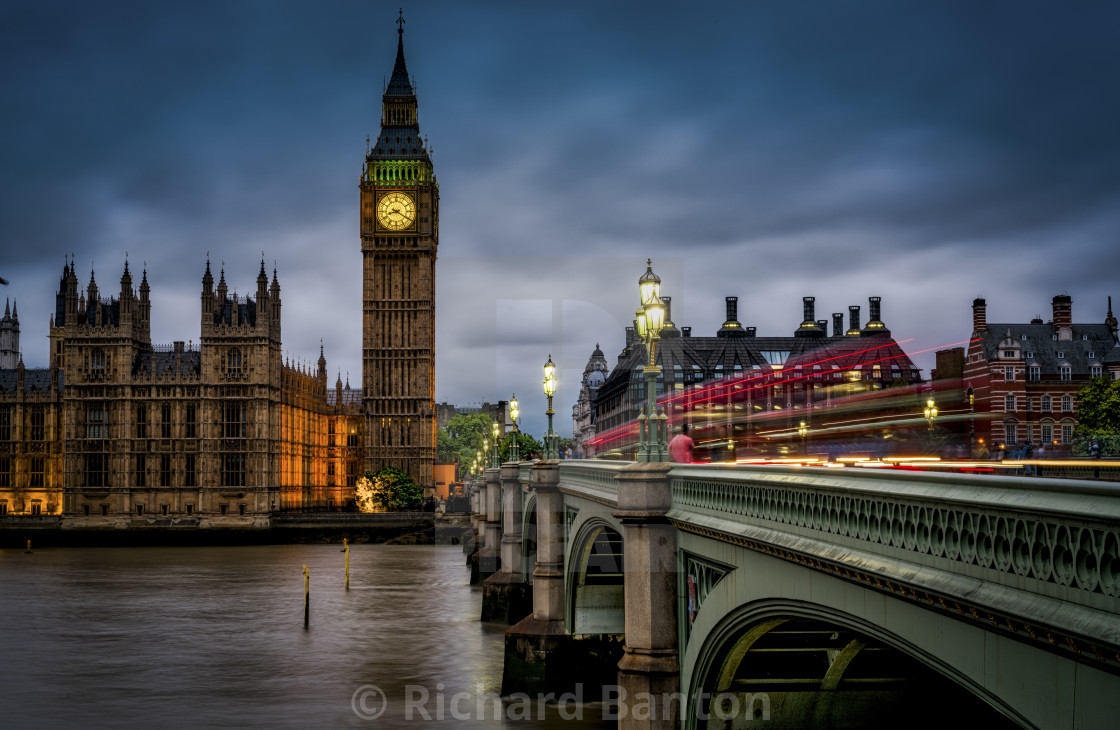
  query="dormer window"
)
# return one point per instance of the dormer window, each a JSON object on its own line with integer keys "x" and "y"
{"x": 1061, "y": 355}
{"x": 1095, "y": 371}
{"x": 1084, "y": 338}
{"x": 1067, "y": 373}
{"x": 1029, "y": 354}
{"x": 1092, "y": 354}
{"x": 1009, "y": 353}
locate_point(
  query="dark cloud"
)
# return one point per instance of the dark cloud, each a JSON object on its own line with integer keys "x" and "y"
{"x": 925, "y": 153}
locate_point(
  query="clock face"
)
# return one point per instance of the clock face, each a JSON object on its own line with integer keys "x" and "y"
{"x": 396, "y": 211}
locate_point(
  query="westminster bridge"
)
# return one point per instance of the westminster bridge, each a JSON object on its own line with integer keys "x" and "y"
{"x": 805, "y": 596}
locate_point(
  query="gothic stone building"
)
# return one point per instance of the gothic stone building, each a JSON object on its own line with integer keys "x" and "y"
{"x": 1024, "y": 377}
{"x": 118, "y": 430}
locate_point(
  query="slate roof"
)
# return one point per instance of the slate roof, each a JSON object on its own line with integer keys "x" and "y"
{"x": 37, "y": 379}
{"x": 1039, "y": 340}
{"x": 161, "y": 363}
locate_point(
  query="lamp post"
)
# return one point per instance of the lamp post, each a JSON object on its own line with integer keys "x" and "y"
{"x": 513, "y": 413}
{"x": 649, "y": 319}
{"x": 930, "y": 412}
{"x": 550, "y": 451}
{"x": 971, "y": 424}
{"x": 497, "y": 430}
{"x": 803, "y": 431}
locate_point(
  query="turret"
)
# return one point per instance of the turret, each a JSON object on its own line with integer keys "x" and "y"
{"x": 207, "y": 295}
{"x": 1111, "y": 321}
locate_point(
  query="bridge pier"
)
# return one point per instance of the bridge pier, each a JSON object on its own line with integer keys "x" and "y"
{"x": 505, "y": 595}
{"x": 537, "y": 657}
{"x": 649, "y": 672}
{"x": 490, "y": 555}
{"x": 478, "y": 530}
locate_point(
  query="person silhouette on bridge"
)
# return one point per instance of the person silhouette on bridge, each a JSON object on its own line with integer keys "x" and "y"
{"x": 680, "y": 448}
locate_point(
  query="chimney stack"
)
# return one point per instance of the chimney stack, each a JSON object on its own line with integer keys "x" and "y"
{"x": 731, "y": 327}
{"x": 875, "y": 325}
{"x": 823, "y": 324}
{"x": 751, "y": 331}
{"x": 979, "y": 315}
{"x": 853, "y": 321}
{"x": 1063, "y": 310}
{"x": 809, "y": 326}
{"x": 686, "y": 332}
{"x": 837, "y": 324}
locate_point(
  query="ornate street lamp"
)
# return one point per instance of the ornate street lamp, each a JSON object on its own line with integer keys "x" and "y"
{"x": 649, "y": 319}
{"x": 550, "y": 450}
{"x": 802, "y": 431}
{"x": 497, "y": 431}
{"x": 513, "y": 413}
{"x": 930, "y": 412}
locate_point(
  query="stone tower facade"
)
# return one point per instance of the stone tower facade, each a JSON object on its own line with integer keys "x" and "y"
{"x": 400, "y": 234}
{"x": 9, "y": 339}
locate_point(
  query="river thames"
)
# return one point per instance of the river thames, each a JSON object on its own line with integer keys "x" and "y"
{"x": 214, "y": 637}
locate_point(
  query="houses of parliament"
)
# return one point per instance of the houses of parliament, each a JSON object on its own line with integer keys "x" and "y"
{"x": 119, "y": 431}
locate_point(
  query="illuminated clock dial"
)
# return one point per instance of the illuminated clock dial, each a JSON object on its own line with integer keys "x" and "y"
{"x": 396, "y": 211}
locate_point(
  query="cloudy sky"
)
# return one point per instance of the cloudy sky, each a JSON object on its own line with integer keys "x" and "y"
{"x": 924, "y": 152}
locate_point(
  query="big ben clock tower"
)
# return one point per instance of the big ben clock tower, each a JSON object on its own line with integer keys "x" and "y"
{"x": 400, "y": 234}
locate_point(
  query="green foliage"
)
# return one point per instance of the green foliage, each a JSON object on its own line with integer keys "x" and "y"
{"x": 461, "y": 439}
{"x": 526, "y": 445}
{"x": 1098, "y": 409}
{"x": 387, "y": 490}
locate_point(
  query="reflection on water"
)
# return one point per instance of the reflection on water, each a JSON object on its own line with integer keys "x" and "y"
{"x": 214, "y": 637}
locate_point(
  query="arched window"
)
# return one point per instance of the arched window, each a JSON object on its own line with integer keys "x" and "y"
{"x": 97, "y": 361}
{"x": 233, "y": 361}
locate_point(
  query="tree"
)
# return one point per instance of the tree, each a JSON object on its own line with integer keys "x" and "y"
{"x": 526, "y": 445}
{"x": 1098, "y": 413}
{"x": 462, "y": 437}
{"x": 387, "y": 490}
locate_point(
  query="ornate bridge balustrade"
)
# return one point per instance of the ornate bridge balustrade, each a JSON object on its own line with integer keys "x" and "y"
{"x": 802, "y": 593}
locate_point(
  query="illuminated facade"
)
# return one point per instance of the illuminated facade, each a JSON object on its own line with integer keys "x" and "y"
{"x": 738, "y": 390}
{"x": 399, "y": 236}
{"x": 118, "y": 431}
{"x": 1025, "y": 377}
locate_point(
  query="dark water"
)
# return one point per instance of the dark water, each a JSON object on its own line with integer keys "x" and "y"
{"x": 213, "y": 637}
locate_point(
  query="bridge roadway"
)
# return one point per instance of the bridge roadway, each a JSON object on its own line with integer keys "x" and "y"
{"x": 805, "y": 596}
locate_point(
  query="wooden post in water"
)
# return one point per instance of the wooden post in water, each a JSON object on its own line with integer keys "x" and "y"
{"x": 346, "y": 548}
{"x": 28, "y": 550}
{"x": 306, "y": 597}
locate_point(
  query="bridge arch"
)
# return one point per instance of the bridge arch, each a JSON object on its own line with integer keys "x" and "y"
{"x": 529, "y": 538}
{"x": 798, "y": 664}
{"x": 595, "y": 593}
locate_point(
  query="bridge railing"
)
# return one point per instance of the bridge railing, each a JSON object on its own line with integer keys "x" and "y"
{"x": 1051, "y": 537}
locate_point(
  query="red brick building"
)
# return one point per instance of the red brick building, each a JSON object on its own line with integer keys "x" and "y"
{"x": 1024, "y": 378}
